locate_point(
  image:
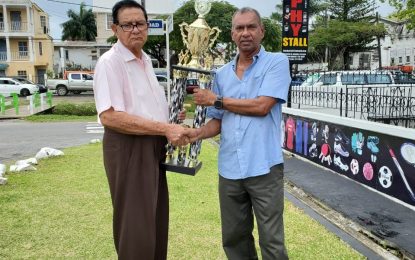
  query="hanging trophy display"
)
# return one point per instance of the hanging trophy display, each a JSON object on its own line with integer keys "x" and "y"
{"x": 198, "y": 38}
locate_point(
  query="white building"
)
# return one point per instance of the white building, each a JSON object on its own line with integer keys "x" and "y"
{"x": 397, "y": 48}
{"x": 77, "y": 55}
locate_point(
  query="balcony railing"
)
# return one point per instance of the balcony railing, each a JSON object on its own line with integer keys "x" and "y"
{"x": 3, "y": 56}
{"x": 1, "y": 26}
{"x": 18, "y": 26}
{"x": 20, "y": 55}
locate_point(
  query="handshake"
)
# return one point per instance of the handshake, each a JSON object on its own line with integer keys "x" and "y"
{"x": 179, "y": 135}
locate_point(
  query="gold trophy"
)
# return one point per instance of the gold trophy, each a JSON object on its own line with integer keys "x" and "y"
{"x": 198, "y": 38}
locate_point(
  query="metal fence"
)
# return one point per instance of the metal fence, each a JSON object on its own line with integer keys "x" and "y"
{"x": 389, "y": 104}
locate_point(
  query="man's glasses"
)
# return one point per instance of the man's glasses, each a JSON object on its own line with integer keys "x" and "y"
{"x": 141, "y": 26}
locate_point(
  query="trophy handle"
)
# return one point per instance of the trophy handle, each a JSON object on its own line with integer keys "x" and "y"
{"x": 215, "y": 33}
{"x": 183, "y": 26}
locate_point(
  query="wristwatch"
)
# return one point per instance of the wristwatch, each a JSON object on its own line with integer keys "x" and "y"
{"x": 218, "y": 104}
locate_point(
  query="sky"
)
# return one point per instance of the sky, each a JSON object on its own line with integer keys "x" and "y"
{"x": 57, "y": 10}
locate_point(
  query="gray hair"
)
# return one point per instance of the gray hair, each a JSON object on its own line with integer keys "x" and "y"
{"x": 244, "y": 10}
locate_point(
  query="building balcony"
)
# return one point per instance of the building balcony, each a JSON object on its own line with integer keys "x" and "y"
{"x": 14, "y": 27}
{"x": 17, "y": 27}
{"x": 3, "y": 56}
{"x": 20, "y": 56}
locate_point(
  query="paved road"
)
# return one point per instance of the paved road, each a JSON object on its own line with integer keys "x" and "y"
{"x": 20, "y": 139}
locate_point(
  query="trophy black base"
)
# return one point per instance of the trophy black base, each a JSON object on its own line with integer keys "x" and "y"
{"x": 173, "y": 166}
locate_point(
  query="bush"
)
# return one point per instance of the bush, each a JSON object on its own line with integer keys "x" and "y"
{"x": 85, "y": 109}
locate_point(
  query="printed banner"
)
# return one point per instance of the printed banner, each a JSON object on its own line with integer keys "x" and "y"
{"x": 383, "y": 162}
{"x": 295, "y": 30}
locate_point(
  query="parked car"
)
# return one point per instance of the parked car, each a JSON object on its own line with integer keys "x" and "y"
{"x": 76, "y": 83}
{"x": 9, "y": 86}
{"x": 404, "y": 78}
{"x": 42, "y": 88}
{"x": 349, "y": 78}
{"x": 297, "y": 80}
{"x": 191, "y": 84}
{"x": 163, "y": 82}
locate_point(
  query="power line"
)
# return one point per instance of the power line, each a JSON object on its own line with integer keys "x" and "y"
{"x": 64, "y": 2}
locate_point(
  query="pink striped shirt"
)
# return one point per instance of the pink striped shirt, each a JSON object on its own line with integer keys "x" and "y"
{"x": 128, "y": 84}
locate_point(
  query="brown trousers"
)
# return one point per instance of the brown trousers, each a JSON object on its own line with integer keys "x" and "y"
{"x": 139, "y": 194}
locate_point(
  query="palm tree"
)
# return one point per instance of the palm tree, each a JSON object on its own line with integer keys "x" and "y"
{"x": 80, "y": 26}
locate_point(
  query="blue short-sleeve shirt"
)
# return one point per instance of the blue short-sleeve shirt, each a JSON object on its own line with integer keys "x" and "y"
{"x": 251, "y": 145}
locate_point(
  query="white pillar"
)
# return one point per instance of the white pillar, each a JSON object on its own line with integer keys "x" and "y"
{"x": 31, "y": 49}
{"x": 30, "y": 24}
{"x": 9, "y": 54}
{"x": 62, "y": 51}
{"x": 168, "y": 59}
{"x": 6, "y": 19}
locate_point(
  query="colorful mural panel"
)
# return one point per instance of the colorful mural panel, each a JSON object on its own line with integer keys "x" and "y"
{"x": 383, "y": 162}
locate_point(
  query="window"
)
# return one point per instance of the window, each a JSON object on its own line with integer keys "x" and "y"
{"x": 7, "y": 82}
{"x": 353, "y": 79}
{"x": 40, "y": 49}
{"x": 328, "y": 79}
{"x": 22, "y": 73}
{"x": 408, "y": 59}
{"x": 379, "y": 79}
{"x": 400, "y": 59}
{"x": 22, "y": 48}
{"x": 161, "y": 78}
{"x": 109, "y": 21}
{"x": 1, "y": 22}
{"x": 392, "y": 61}
{"x": 76, "y": 76}
{"x": 15, "y": 20}
{"x": 67, "y": 54}
{"x": 87, "y": 77}
{"x": 42, "y": 21}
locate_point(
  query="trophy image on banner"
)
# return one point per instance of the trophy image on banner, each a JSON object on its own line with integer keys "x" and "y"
{"x": 195, "y": 62}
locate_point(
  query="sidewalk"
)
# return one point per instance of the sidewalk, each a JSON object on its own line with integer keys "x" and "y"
{"x": 23, "y": 112}
{"x": 379, "y": 218}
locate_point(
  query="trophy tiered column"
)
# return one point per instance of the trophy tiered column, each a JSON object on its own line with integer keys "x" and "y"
{"x": 198, "y": 38}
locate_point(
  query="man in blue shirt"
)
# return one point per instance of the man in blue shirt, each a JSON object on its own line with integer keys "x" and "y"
{"x": 245, "y": 107}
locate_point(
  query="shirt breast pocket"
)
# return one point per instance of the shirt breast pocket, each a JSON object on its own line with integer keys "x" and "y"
{"x": 257, "y": 81}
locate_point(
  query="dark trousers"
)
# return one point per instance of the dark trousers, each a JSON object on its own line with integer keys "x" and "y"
{"x": 139, "y": 194}
{"x": 239, "y": 199}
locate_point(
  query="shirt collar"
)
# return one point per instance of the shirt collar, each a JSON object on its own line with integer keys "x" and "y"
{"x": 127, "y": 55}
{"x": 256, "y": 56}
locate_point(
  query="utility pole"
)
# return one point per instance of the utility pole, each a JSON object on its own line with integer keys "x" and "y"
{"x": 379, "y": 48}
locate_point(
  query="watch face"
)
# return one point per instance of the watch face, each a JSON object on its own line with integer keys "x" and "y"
{"x": 218, "y": 103}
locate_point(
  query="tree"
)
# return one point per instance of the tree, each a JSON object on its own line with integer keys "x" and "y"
{"x": 404, "y": 12}
{"x": 80, "y": 26}
{"x": 341, "y": 37}
{"x": 352, "y": 10}
{"x": 272, "y": 37}
{"x": 353, "y": 30}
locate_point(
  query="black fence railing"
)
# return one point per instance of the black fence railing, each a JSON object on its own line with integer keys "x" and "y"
{"x": 389, "y": 104}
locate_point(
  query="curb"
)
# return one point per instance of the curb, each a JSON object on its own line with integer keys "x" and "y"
{"x": 382, "y": 247}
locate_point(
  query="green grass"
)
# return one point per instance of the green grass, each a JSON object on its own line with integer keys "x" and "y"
{"x": 63, "y": 210}
{"x": 57, "y": 118}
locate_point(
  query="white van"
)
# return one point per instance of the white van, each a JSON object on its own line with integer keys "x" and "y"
{"x": 349, "y": 78}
